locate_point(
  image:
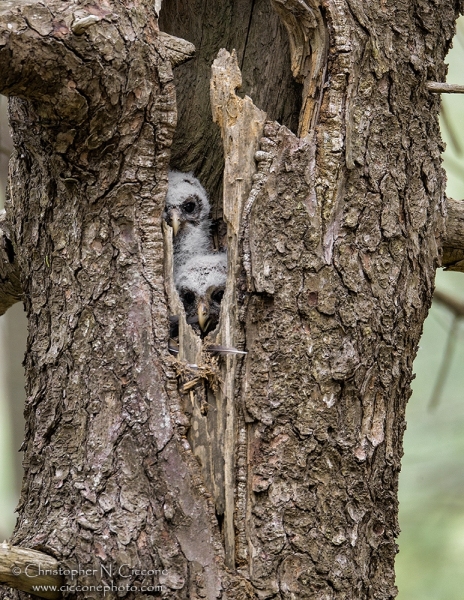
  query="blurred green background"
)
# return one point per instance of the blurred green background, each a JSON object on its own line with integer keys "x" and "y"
{"x": 430, "y": 565}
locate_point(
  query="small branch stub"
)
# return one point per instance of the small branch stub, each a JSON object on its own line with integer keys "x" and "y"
{"x": 24, "y": 569}
{"x": 444, "y": 88}
{"x": 178, "y": 50}
{"x": 453, "y": 242}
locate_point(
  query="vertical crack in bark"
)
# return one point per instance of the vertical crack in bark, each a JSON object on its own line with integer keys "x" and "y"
{"x": 10, "y": 284}
{"x": 247, "y": 33}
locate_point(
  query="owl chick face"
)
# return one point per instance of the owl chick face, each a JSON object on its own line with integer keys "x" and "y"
{"x": 201, "y": 284}
{"x": 206, "y": 307}
{"x": 187, "y": 203}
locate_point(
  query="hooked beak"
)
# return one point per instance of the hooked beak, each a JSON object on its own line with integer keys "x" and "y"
{"x": 203, "y": 315}
{"x": 175, "y": 221}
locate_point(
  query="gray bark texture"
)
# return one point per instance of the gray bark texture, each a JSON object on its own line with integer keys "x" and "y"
{"x": 278, "y": 478}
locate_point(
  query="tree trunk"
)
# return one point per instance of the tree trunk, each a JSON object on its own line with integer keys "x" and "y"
{"x": 334, "y": 223}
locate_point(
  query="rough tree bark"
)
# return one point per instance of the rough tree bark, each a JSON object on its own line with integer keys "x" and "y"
{"x": 335, "y": 224}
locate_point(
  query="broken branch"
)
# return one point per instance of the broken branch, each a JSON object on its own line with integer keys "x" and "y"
{"x": 444, "y": 88}
{"x": 28, "y": 570}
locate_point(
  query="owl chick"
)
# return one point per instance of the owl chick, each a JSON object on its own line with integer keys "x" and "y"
{"x": 201, "y": 283}
{"x": 187, "y": 209}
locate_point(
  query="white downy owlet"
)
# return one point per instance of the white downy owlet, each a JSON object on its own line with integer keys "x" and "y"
{"x": 187, "y": 212}
{"x": 201, "y": 282}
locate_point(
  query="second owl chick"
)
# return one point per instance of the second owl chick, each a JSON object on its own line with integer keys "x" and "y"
{"x": 187, "y": 212}
{"x": 201, "y": 283}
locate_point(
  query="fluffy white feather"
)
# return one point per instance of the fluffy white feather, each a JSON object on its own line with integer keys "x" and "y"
{"x": 202, "y": 272}
{"x": 187, "y": 210}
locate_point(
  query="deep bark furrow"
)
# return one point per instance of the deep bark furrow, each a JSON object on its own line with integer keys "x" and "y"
{"x": 10, "y": 285}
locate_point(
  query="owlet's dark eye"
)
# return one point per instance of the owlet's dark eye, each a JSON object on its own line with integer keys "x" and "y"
{"x": 189, "y": 207}
{"x": 188, "y": 297}
{"x": 217, "y": 296}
